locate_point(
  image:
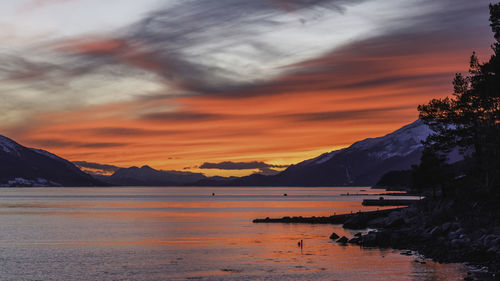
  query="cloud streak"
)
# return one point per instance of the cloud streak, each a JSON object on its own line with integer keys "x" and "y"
{"x": 263, "y": 168}
{"x": 96, "y": 168}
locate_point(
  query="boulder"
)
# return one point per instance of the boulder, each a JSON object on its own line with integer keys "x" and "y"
{"x": 396, "y": 223}
{"x": 334, "y": 236}
{"x": 369, "y": 240}
{"x": 446, "y": 227}
{"x": 343, "y": 240}
{"x": 435, "y": 231}
{"x": 355, "y": 240}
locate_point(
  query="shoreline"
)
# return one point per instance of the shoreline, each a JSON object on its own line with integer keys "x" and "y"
{"x": 351, "y": 219}
{"x": 434, "y": 228}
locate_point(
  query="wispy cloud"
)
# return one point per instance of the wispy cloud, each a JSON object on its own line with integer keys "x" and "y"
{"x": 195, "y": 47}
{"x": 50, "y": 143}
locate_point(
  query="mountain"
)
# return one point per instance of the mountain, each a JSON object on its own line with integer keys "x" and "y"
{"x": 23, "y": 166}
{"x": 147, "y": 176}
{"x": 360, "y": 164}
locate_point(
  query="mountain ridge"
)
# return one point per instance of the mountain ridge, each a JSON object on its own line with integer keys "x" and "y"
{"x": 23, "y": 166}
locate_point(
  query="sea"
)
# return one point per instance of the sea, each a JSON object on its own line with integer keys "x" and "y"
{"x": 193, "y": 233}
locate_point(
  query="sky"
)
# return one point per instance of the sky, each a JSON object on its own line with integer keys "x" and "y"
{"x": 224, "y": 87}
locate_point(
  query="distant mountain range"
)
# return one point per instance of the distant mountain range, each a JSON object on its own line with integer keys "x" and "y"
{"x": 361, "y": 164}
{"x": 147, "y": 176}
{"x": 22, "y": 166}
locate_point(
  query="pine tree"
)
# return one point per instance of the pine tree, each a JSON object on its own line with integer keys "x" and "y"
{"x": 470, "y": 119}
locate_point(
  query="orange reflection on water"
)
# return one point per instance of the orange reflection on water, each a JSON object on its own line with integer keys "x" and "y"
{"x": 200, "y": 237}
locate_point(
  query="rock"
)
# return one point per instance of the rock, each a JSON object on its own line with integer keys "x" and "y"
{"x": 355, "y": 240}
{"x": 343, "y": 240}
{"x": 496, "y": 241}
{"x": 435, "y": 231}
{"x": 334, "y": 236}
{"x": 456, "y": 243}
{"x": 370, "y": 239}
{"x": 396, "y": 223}
{"x": 377, "y": 222}
{"x": 494, "y": 250}
{"x": 446, "y": 227}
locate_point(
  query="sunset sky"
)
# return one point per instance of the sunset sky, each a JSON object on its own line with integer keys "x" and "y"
{"x": 257, "y": 84}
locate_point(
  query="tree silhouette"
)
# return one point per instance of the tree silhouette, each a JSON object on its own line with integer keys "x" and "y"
{"x": 470, "y": 119}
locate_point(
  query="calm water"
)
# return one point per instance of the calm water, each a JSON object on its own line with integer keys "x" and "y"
{"x": 186, "y": 234}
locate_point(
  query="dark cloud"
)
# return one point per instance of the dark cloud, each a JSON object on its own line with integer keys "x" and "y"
{"x": 379, "y": 61}
{"x": 51, "y": 143}
{"x": 175, "y": 45}
{"x": 263, "y": 167}
{"x": 101, "y": 144}
{"x": 357, "y": 114}
{"x": 103, "y": 168}
{"x": 127, "y": 132}
{"x": 181, "y": 116}
{"x": 163, "y": 42}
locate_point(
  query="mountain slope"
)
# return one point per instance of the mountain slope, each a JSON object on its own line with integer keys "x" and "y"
{"x": 363, "y": 163}
{"x": 22, "y": 166}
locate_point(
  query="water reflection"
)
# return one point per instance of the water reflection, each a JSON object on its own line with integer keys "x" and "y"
{"x": 185, "y": 233}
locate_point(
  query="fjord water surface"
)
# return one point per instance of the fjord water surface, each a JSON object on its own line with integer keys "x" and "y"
{"x": 185, "y": 233}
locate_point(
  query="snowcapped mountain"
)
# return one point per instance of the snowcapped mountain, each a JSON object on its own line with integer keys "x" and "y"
{"x": 363, "y": 163}
{"x": 399, "y": 143}
{"x": 23, "y": 166}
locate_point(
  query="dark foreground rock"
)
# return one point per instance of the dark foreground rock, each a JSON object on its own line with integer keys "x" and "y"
{"x": 343, "y": 240}
{"x": 334, "y": 236}
{"x": 444, "y": 230}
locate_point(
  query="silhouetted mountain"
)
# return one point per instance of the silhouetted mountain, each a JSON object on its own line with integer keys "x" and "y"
{"x": 215, "y": 181}
{"x": 362, "y": 163}
{"x": 147, "y": 176}
{"x": 22, "y": 166}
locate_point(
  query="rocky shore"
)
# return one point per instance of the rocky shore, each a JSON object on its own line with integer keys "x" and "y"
{"x": 444, "y": 230}
{"x": 466, "y": 231}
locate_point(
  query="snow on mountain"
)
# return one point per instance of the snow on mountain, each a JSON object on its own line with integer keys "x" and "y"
{"x": 398, "y": 143}
{"x": 320, "y": 159}
{"x": 23, "y": 166}
{"x": 401, "y": 142}
{"x": 46, "y": 153}
{"x": 8, "y": 145}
